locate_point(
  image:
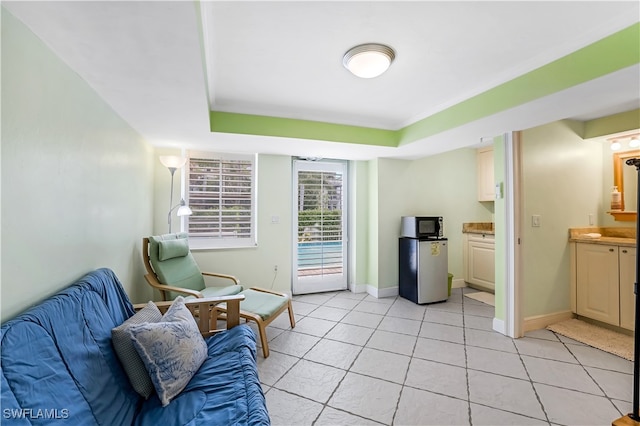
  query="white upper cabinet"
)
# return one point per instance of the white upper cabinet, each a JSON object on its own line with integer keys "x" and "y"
{"x": 486, "y": 191}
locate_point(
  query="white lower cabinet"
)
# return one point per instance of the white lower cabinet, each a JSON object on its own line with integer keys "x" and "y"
{"x": 627, "y": 262}
{"x": 605, "y": 275}
{"x": 479, "y": 260}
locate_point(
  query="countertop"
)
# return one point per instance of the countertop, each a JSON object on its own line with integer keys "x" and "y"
{"x": 624, "y": 237}
{"x": 478, "y": 228}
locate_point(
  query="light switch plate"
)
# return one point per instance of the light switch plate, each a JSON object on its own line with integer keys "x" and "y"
{"x": 535, "y": 220}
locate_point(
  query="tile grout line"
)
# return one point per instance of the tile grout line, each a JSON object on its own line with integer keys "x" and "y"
{"x": 466, "y": 363}
{"x": 406, "y": 374}
{"x": 535, "y": 391}
{"x": 591, "y": 377}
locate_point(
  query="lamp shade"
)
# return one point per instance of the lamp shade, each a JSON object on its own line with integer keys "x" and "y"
{"x": 184, "y": 211}
{"x": 172, "y": 161}
{"x": 368, "y": 60}
{"x": 615, "y": 145}
{"x": 634, "y": 142}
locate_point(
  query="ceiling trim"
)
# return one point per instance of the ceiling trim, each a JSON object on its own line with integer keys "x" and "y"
{"x": 615, "y": 52}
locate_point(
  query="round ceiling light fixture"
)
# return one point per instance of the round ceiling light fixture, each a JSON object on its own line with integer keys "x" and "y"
{"x": 368, "y": 60}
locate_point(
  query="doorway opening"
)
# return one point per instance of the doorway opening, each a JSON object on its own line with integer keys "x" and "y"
{"x": 320, "y": 226}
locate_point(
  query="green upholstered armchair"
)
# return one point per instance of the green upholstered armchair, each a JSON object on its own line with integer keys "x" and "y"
{"x": 173, "y": 271}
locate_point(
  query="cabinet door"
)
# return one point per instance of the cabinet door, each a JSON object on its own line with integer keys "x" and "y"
{"x": 486, "y": 191}
{"x": 481, "y": 262}
{"x": 627, "y": 263}
{"x": 598, "y": 293}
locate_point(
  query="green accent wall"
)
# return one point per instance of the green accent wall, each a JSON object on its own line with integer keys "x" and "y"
{"x": 612, "y": 53}
{"x": 623, "y": 122}
{"x": 227, "y": 122}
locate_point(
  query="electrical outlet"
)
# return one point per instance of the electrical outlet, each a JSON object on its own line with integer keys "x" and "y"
{"x": 591, "y": 219}
{"x": 275, "y": 268}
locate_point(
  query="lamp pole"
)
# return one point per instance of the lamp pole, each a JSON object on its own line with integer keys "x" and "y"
{"x": 633, "y": 418}
{"x": 172, "y": 170}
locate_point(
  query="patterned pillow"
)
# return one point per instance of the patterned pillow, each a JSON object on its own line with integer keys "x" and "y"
{"x": 128, "y": 355}
{"x": 172, "y": 350}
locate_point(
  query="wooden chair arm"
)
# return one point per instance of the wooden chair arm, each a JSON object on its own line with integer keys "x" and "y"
{"x": 153, "y": 282}
{"x": 207, "y": 323}
{"x": 228, "y": 277}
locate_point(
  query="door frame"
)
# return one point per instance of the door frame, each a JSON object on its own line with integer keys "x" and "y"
{"x": 512, "y": 166}
{"x": 316, "y": 165}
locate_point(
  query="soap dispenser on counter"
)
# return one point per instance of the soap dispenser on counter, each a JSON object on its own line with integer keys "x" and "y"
{"x": 616, "y": 199}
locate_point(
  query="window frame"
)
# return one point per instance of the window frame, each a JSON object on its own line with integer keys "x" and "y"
{"x": 210, "y": 242}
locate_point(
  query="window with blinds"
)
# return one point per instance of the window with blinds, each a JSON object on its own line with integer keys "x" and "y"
{"x": 221, "y": 194}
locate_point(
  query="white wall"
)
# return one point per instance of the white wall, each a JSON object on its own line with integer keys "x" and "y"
{"x": 76, "y": 179}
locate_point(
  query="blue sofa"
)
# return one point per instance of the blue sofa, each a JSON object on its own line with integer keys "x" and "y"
{"x": 58, "y": 363}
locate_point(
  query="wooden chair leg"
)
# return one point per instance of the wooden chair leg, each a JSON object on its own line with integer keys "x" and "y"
{"x": 292, "y": 319}
{"x": 263, "y": 338}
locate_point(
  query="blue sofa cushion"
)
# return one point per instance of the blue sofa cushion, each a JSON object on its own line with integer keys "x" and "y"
{"x": 225, "y": 391}
{"x": 59, "y": 356}
{"x": 127, "y": 354}
{"x": 172, "y": 349}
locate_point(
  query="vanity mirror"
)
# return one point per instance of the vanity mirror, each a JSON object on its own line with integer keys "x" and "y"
{"x": 625, "y": 178}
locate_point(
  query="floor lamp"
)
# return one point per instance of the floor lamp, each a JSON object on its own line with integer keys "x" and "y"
{"x": 633, "y": 418}
{"x": 173, "y": 163}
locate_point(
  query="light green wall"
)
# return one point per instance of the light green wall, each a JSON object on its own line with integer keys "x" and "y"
{"x": 372, "y": 224}
{"x": 439, "y": 185}
{"x": 76, "y": 179}
{"x": 562, "y": 181}
{"x": 359, "y": 211}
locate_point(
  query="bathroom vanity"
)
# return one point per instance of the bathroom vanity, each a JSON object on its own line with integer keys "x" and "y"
{"x": 603, "y": 274}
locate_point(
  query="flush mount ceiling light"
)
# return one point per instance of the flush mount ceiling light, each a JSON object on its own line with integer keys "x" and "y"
{"x": 368, "y": 60}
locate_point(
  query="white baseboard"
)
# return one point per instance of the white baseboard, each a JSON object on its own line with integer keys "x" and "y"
{"x": 499, "y": 326}
{"x": 542, "y": 321}
{"x": 458, "y": 283}
{"x": 358, "y": 288}
{"x": 376, "y": 292}
{"x": 379, "y": 293}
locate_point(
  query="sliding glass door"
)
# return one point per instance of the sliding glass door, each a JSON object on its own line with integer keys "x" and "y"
{"x": 320, "y": 226}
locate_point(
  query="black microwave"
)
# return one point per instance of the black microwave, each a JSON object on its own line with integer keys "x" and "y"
{"x": 422, "y": 227}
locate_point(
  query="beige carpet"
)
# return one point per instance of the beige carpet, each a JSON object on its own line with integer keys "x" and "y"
{"x": 483, "y": 297}
{"x": 597, "y": 337}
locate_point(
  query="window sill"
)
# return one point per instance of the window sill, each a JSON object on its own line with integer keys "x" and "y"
{"x": 207, "y": 244}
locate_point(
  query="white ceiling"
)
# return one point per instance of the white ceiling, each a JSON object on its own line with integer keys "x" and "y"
{"x": 285, "y": 59}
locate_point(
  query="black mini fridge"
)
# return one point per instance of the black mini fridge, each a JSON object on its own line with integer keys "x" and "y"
{"x": 424, "y": 276}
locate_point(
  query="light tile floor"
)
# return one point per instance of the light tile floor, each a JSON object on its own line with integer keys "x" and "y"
{"x": 356, "y": 360}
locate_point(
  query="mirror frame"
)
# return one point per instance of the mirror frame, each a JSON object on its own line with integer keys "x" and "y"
{"x": 618, "y": 163}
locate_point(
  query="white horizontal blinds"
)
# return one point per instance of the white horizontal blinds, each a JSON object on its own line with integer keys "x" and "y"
{"x": 220, "y": 196}
{"x": 320, "y": 223}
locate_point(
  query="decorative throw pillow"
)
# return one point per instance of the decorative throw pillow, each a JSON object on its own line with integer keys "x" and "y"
{"x": 128, "y": 355}
{"x": 172, "y": 350}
